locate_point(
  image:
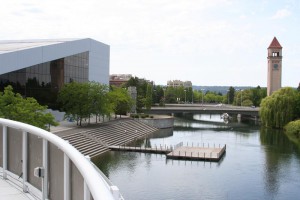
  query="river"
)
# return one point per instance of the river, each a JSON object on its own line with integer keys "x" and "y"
{"x": 258, "y": 164}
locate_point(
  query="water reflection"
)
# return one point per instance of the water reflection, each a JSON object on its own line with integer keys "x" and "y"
{"x": 259, "y": 164}
{"x": 278, "y": 156}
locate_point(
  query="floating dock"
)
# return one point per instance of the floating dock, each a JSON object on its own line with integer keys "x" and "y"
{"x": 179, "y": 152}
{"x": 197, "y": 153}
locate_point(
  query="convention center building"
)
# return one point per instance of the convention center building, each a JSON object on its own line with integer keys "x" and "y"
{"x": 39, "y": 68}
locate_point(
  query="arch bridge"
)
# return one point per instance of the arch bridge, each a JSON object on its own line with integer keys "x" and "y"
{"x": 204, "y": 109}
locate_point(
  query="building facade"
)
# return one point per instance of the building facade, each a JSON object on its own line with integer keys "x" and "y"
{"x": 178, "y": 83}
{"x": 119, "y": 79}
{"x": 39, "y": 68}
{"x": 274, "y": 66}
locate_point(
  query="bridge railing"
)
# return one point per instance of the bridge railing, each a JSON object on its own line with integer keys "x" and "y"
{"x": 47, "y": 166}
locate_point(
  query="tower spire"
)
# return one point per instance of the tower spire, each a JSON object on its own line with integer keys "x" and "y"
{"x": 274, "y": 66}
{"x": 275, "y": 44}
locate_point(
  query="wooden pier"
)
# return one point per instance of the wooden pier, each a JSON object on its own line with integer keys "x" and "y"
{"x": 158, "y": 150}
{"x": 180, "y": 152}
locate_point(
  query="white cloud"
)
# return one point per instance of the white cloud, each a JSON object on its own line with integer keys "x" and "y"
{"x": 156, "y": 39}
{"x": 282, "y": 13}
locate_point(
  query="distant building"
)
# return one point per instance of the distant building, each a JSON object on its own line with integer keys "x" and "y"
{"x": 274, "y": 66}
{"x": 119, "y": 79}
{"x": 178, "y": 83}
{"x": 39, "y": 68}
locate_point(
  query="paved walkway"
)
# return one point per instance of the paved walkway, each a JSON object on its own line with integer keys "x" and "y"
{"x": 67, "y": 125}
{"x": 8, "y": 191}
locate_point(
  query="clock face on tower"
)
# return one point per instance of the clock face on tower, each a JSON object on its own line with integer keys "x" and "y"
{"x": 275, "y": 66}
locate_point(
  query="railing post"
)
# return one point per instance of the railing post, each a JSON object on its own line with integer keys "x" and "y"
{"x": 24, "y": 159}
{"x": 4, "y": 136}
{"x": 66, "y": 177}
{"x": 45, "y": 166}
{"x": 86, "y": 191}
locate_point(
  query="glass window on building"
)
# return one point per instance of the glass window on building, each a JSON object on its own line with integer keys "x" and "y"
{"x": 44, "y": 80}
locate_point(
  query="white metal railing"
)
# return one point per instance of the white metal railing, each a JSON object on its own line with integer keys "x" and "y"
{"x": 93, "y": 183}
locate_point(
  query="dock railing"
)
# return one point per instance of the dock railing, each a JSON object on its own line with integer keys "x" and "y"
{"x": 47, "y": 166}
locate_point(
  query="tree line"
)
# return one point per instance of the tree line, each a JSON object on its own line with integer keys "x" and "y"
{"x": 150, "y": 94}
{"x": 81, "y": 101}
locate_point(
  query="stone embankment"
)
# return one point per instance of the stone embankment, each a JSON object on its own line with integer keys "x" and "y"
{"x": 95, "y": 140}
{"x": 159, "y": 121}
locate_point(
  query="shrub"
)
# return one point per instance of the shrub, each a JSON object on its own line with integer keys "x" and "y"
{"x": 292, "y": 129}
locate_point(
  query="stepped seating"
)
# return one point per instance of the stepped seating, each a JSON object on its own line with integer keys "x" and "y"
{"x": 95, "y": 141}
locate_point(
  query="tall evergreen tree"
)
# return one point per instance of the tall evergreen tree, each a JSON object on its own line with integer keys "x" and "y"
{"x": 148, "y": 100}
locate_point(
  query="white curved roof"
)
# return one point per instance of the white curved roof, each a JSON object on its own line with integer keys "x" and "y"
{"x": 19, "y": 54}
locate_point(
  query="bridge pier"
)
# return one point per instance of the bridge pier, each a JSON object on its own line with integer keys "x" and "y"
{"x": 239, "y": 117}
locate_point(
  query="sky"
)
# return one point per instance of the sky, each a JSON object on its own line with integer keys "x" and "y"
{"x": 208, "y": 42}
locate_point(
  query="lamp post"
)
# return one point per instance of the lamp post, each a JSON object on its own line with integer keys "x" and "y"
{"x": 184, "y": 96}
{"x": 202, "y": 95}
{"x": 241, "y": 97}
{"x": 192, "y": 96}
{"x": 228, "y": 96}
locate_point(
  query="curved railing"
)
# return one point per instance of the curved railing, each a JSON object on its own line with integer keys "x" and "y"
{"x": 93, "y": 184}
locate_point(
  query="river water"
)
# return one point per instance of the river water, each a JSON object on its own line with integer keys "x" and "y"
{"x": 258, "y": 164}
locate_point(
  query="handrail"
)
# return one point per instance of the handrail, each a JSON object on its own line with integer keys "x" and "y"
{"x": 88, "y": 172}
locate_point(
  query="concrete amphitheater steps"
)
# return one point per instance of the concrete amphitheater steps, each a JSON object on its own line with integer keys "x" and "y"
{"x": 95, "y": 141}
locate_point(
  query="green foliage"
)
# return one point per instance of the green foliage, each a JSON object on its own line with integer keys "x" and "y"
{"x": 292, "y": 129}
{"x": 247, "y": 102}
{"x": 81, "y": 100}
{"x": 279, "y": 108}
{"x": 75, "y": 100}
{"x": 140, "y": 115}
{"x": 100, "y": 104}
{"x": 257, "y": 95}
{"x": 213, "y": 97}
{"x": 27, "y": 110}
{"x": 158, "y": 94}
{"x": 141, "y": 88}
{"x": 230, "y": 95}
{"x": 249, "y": 97}
{"x": 148, "y": 100}
{"x": 121, "y": 101}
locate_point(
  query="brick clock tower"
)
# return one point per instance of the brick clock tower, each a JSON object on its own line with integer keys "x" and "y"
{"x": 274, "y": 66}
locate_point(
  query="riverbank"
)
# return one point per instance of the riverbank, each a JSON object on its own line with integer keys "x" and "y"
{"x": 158, "y": 121}
{"x": 292, "y": 130}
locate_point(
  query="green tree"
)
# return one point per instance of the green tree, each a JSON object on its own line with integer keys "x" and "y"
{"x": 27, "y": 110}
{"x": 243, "y": 98}
{"x": 292, "y": 129}
{"x": 158, "y": 94}
{"x": 121, "y": 101}
{"x": 230, "y": 95}
{"x": 75, "y": 100}
{"x": 100, "y": 106}
{"x": 279, "y": 108}
{"x": 141, "y": 88}
{"x": 83, "y": 100}
{"x": 148, "y": 100}
{"x": 257, "y": 95}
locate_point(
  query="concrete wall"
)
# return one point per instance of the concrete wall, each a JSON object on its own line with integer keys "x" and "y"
{"x": 159, "y": 122}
